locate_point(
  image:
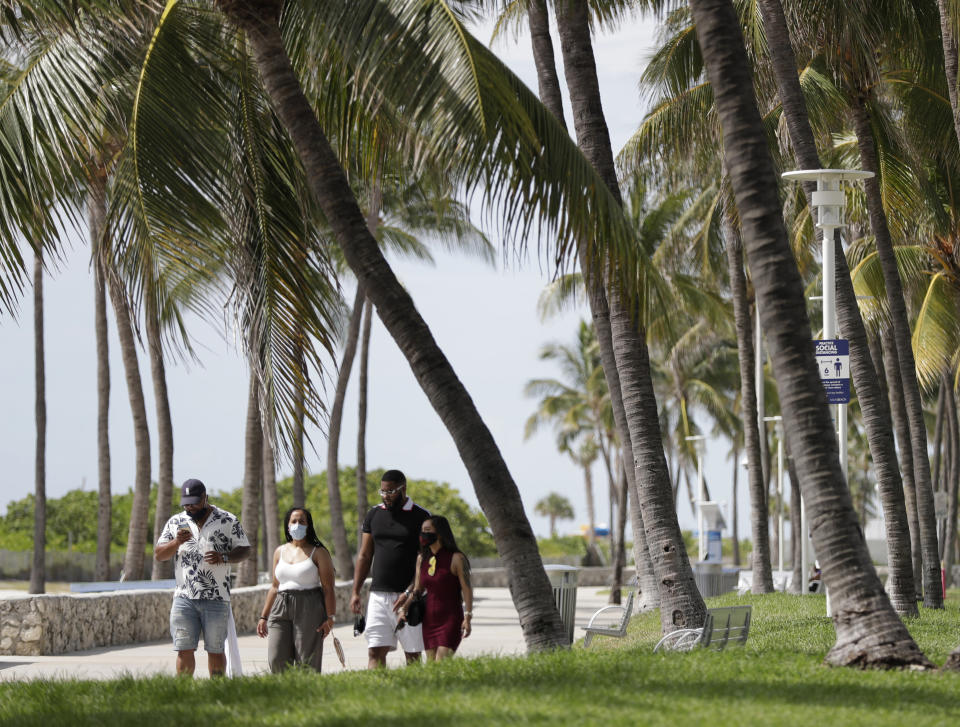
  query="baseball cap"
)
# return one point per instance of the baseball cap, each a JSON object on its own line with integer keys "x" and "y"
{"x": 192, "y": 492}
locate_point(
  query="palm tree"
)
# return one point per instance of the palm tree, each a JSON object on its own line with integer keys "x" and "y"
{"x": 877, "y": 420}
{"x": 868, "y": 630}
{"x": 252, "y": 481}
{"x": 38, "y": 569}
{"x": 575, "y": 406}
{"x": 492, "y": 140}
{"x": 556, "y": 507}
{"x": 97, "y": 212}
{"x": 625, "y": 351}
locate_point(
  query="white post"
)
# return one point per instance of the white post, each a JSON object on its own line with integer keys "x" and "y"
{"x": 779, "y": 424}
{"x": 697, "y": 440}
{"x": 829, "y": 201}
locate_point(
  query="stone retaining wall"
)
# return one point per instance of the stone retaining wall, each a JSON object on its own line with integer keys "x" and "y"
{"x": 58, "y": 623}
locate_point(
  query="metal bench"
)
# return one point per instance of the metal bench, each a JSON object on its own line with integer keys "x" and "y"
{"x": 617, "y": 628}
{"x": 721, "y": 626}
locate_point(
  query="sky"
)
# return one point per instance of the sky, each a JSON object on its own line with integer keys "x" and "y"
{"x": 484, "y": 319}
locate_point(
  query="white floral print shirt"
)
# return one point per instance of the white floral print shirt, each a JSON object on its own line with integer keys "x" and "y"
{"x": 221, "y": 532}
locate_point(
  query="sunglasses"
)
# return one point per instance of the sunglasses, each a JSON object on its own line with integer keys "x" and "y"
{"x": 359, "y": 624}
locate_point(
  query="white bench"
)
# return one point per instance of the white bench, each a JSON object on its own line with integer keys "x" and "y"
{"x": 616, "y": 628}
{"x": 721, "y": 626}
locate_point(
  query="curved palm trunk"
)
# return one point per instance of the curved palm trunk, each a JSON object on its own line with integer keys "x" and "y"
{"x": 869, "y": 632}
{"x": 342, "y": 558}
{"x": 873, "y": 403}
{"x": 648, "y": 590}
{"x": 497, "y": 493}
{"x": 363, "y": 504}
{"x": 161, "y": 569}
{"x": 762, "y": 581}
{"x": 38, "y": 570}
{"x": 548, "y": 82}
{"x": 96, "y": 217}
{"x": 681, "y": 604}
{"x": 901, "y": 422}
{"x": 252, "y": 480}
{"x": 926, "y": 513}
{"x": 139, "y": 512}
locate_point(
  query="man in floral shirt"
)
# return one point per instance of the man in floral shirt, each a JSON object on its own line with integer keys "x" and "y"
{"x": 205, "y": 540}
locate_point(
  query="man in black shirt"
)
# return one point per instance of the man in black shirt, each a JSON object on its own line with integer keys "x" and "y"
{"x": 390, "y": 539}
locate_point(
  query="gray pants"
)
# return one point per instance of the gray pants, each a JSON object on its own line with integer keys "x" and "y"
{"x": 292, "y": 636}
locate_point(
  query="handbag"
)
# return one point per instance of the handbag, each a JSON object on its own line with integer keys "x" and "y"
{"x": 416, "y": 609}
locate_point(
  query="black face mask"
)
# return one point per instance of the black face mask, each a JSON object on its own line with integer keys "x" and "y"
{"x": 198, "y": 515}
{"x": 427, "y": 539}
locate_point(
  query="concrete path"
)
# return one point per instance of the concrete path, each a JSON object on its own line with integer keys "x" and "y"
{"x": 496, "y": 630}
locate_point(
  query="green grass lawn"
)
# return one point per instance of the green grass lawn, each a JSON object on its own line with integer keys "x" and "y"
{"x": 778, "y": 678}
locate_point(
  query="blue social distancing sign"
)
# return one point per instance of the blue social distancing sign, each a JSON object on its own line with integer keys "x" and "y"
{"x": 833, "y": 363}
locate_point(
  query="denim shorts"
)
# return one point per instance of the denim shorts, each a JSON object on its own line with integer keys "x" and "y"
{"x": 190, "y": 616}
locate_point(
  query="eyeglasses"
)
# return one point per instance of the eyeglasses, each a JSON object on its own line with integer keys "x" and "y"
{"x": 387, "y": 493}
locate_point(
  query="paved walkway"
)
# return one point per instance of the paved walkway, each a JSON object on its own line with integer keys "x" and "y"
{"x": 496, "y": 630}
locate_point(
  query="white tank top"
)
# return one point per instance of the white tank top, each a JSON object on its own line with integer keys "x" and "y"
{"x": 297, "y": 576}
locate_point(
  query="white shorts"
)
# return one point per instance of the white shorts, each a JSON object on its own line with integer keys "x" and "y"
{"x": 382, "y": 621}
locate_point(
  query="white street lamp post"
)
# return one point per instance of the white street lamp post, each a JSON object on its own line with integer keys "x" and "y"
{"x": 697, "y": 439}
{"x": 829, "y": 200}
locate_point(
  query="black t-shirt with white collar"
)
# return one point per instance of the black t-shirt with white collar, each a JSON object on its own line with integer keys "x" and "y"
{"x": 396, "y": 541}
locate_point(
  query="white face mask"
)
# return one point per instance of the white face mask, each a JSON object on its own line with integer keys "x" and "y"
{"x": 298, "y": 531}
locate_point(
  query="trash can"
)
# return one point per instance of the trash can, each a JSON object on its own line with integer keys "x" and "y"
{"x": 709, "y": 578}
{"x": 563, "y": 578}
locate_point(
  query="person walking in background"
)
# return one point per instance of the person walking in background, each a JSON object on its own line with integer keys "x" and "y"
{"x": 443, "y": 571}
{"x": 389, "y": 541}
{"x": 301, "y": 604}
{"x": 205, "y": 540}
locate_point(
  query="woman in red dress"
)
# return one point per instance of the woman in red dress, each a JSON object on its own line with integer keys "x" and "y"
{"x": 443, "y": 571}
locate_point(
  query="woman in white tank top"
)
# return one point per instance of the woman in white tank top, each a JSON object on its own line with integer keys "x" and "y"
{"x": 301, "y": 603}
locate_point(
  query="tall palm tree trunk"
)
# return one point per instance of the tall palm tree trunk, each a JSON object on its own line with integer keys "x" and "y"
{"x": 798, "y": 539}
{"x": 497, "y": 493}
{"x": 252, "y": 480}
{"x": 342, "y": 557}
{"x": 760, "y": 561}
{"x": 936, "y": 477}
{"x": 161, "y": 569}
{"x": 648, "y": 589}
{"x": 96, "y": 218}
{"x": 299, "y": 434}
{"x": 271, "y": 514}
{"x": 548, "y": 82}
{"x": 926, "y": 513}
{"x": 618, "y": 549}
{"x": 873, "y": 404}
{"x": 681, "y": 604}
{"x": 869, "y": 632}
{"x": 901, "y": 422}
{"x": 363, "y": 504}
{"x": 139, "y": 512}
{"x": 951, "y": 482}
{"x": 948, "y": 37}
{"x": 876, "y": 415}
{"x": 38, "y": 570}
{"x": 591, "y": 514}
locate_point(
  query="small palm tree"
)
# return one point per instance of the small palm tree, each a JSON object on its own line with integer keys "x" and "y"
{"x": 556, "y": 507}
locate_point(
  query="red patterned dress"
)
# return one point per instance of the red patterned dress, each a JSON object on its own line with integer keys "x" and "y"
{"x": 443, "y": 618}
